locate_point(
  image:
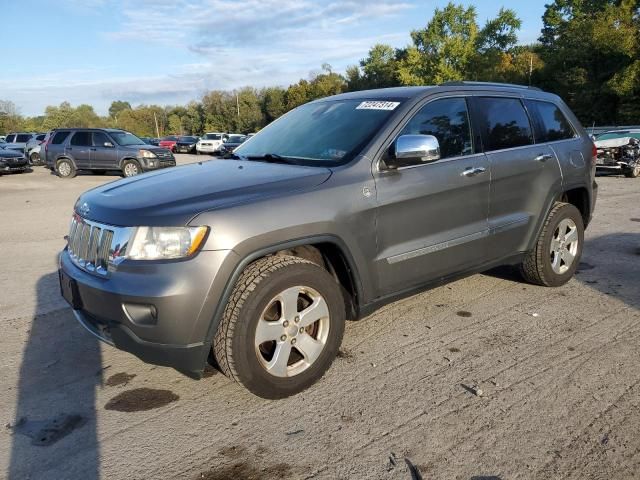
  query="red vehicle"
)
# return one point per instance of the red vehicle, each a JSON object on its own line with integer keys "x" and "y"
{"x": 169, "y": 142}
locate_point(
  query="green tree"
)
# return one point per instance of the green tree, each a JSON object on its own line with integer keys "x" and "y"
{"x": 377, "y": 70}
{"x": 118, "y": 106}
{"x": 10, "y": 118}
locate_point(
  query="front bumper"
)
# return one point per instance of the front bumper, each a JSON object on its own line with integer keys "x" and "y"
{"x": 208, "y": 148}
{"x": 21, "y": 165}
{"x": 160, "y": 312}
{"x": 150, "y": 164}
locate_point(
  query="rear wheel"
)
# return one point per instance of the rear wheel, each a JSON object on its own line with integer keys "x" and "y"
{"x": 282, "y": 326}
{"x": 131, "y": 168}
{"x": 555, "y": 258}
{"x": 65, "y": 168}
{"x": 35, "y": 159}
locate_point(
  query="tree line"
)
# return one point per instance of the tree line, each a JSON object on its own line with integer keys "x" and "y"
{"x": 588, "y": 52}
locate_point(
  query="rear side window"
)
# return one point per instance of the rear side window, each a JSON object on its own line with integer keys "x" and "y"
{"x": 9, "y": 138}
{"x": 81, "y": 139}
{"x": 554, "y": 125}
{"x": 448, "y": 121}
{"x": 40, "y": 137}
{"x": 23, "y": 138}
{"x": 504, "y": 123}
{"x": 59, "y": 137}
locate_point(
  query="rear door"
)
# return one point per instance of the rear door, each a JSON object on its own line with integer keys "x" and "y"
{"x": 55, "y": 146}
{"x": 104, "y": 154}
{"x": 524, "y": 175}
{"x": 79, "y": 148}
{"x": 432, "y": 218}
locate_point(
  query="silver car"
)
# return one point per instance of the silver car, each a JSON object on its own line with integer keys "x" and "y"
{"x": 335, "y": 209}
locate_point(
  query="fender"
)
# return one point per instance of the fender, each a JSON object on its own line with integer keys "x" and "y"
{"x": 122, "y": 160}
{"x": 64, "y": 157}
{"x": 246, "y": 260}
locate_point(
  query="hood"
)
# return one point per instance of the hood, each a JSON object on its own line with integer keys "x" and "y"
{"x": 10, "y": 153}
{"x": 175, "y": 195}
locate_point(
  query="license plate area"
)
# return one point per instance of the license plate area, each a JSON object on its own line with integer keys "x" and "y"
{"x": 69, "y": 290}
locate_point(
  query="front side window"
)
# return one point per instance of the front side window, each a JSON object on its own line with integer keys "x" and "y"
{"x": 125, "y": 138}
{"x": 330, "y": 132}
{"x": 504, "y": 123}
{"x": 59, "y": 137}
{"x": 100, "y": 138}
{"x": 448, "y": 121}
{"x": 81, "y": 139}
{"x": 554, "y": 125}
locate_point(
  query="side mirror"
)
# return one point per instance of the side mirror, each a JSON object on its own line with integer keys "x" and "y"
{"x": 413, "y": 149}
{"x": 108, "y": 144}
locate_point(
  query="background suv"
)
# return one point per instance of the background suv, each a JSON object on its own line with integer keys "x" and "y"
{"x": 99, "y": 150}
{"x": 18, "y": 141}
{"x": 335, "y": 209}
{"x": 210, "y": 142}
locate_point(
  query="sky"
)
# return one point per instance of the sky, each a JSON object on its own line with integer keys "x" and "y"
{"x": 173, "y": 51}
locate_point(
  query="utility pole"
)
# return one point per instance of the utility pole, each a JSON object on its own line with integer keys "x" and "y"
{"x": 155, "y": 119}
{"x": 238, "y": 104}
{"x": 530, "y": 67}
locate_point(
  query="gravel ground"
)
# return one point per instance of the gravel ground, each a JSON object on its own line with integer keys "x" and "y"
{"x": 558, "y": 371}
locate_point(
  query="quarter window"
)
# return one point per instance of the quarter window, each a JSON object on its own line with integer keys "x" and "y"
{"x": 81, "y": 139}
{"x": 505, "y": 123}
{"x": 23, "y": 138}
{"x": 59, "y": 137}
{"x": 448, "y": 121}
{"x": 554, "y": 125}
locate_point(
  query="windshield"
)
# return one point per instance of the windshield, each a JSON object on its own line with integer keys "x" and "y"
{"x": 329, "y": 132}
{"x": 212, "y": 136}
{"x": 236, "y": 139}
{"x": 126, "y": 138}
{"x": 170, "y": 138}
{"x": 623, "y": 134}
{"x": 188, "y": 139}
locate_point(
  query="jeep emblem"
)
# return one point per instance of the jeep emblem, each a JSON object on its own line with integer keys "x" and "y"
{"x": 84, "y": 209}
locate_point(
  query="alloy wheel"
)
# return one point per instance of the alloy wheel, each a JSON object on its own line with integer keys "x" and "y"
{"x": 564, "y": 246}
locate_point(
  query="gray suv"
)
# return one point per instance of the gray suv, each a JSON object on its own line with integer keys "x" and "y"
{"x": 100, "y": 149}
{"x": 339, "y": 207}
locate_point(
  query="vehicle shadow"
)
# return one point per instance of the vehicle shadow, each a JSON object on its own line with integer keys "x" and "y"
{"x": 54, "y": 431}
{"x": 610, "y": 264}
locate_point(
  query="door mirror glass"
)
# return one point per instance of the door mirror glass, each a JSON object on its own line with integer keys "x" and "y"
{"x": 414, "y": 149}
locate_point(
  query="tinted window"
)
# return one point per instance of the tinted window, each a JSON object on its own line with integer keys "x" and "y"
{"x": 59, "y": 137}
{"x": 100, "y": 138}
{"x": 505, "y": 123}
{"x": 9, "y": 138}
{"x": 81, "y": 139}
{"x": 212, "y": 136}
{"x": 22, "y": 138}
{"x": 448, "y": 121}
{"x": 555, "y": 125}
{"x": 40, "y": 137}
{"x": 188, "y": 139}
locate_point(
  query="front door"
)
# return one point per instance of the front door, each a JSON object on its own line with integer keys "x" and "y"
{"x": 432, "y": 218}
{"x": 103, "y": 156}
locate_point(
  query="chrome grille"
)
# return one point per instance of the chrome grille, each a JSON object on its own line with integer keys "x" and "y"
{"x": 89, "y": 245}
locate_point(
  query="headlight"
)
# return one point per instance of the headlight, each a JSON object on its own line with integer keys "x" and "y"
{"x": 163, "y": 243}
{"x": 146, "y": 154}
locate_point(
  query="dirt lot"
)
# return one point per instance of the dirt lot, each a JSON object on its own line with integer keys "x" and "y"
{"x": 559, "y": 371}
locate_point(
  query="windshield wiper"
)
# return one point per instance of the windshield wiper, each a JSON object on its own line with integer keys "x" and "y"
{"x": 272, "y": 158}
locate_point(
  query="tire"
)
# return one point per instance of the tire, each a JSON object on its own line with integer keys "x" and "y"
{"x": 633, "y": 172}
{"x": 557, "y": 252}
{"x": 65, "y": 168}
{"x": 236, "y": 347}
{"x": 131, "y": 168}
{"x": 35, "y": 159}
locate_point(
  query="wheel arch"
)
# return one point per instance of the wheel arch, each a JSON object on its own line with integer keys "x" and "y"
{"x": 124, "y": 159}
{"x": 333, "y": 250}
{"x": 579, "y": 198}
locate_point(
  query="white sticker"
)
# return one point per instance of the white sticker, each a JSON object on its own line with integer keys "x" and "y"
{"x": 377, "y": 105}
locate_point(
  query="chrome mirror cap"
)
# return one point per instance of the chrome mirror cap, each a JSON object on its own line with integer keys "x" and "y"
{"x": 422, "y": 148}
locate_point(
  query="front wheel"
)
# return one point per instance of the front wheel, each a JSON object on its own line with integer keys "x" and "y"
{"x": 282, "y": 327}
{"x": 633, "y": 172}
{"x": 131, "y": 168}
{"x": 35, "y": 159}
{"x": 556, "y": 255}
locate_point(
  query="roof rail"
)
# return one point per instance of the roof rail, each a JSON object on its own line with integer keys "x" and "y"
{"x": 465, "y": 83}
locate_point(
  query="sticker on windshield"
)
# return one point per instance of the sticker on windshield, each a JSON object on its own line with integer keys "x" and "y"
{"x": 377, "y": 105}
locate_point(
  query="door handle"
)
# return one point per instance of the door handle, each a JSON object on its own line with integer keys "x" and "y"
{"x": 93, "y": 149}
{"x": 473, "y": 171}
{"x": 543, "y": 157}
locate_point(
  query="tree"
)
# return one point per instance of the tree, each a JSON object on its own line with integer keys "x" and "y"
{"x": 273, "y": 103}
{"x": 118, "y": 106}
{"x": 377, "y": 70}
{"x": 10, "y": 119}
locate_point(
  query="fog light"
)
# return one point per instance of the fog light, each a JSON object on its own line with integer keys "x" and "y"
{"x": 141, "y": 314}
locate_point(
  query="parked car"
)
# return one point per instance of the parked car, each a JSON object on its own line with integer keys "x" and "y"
{"x": 620, "y": 153}
{"x": 210, "y": 142}
{"x": 18, "y": 141}
{"x": 151, "y": 141}
{"x": 613, "y": 134}
{"x": 335, "y": 209}
{"x": 185, "y": 145}
{"x": 168, "y": 142}
{"x": 12, "y": 161}
{"x": 33, "y": 147}
{"x": 231, "y": 143}
{"x": 102, "y": 149}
